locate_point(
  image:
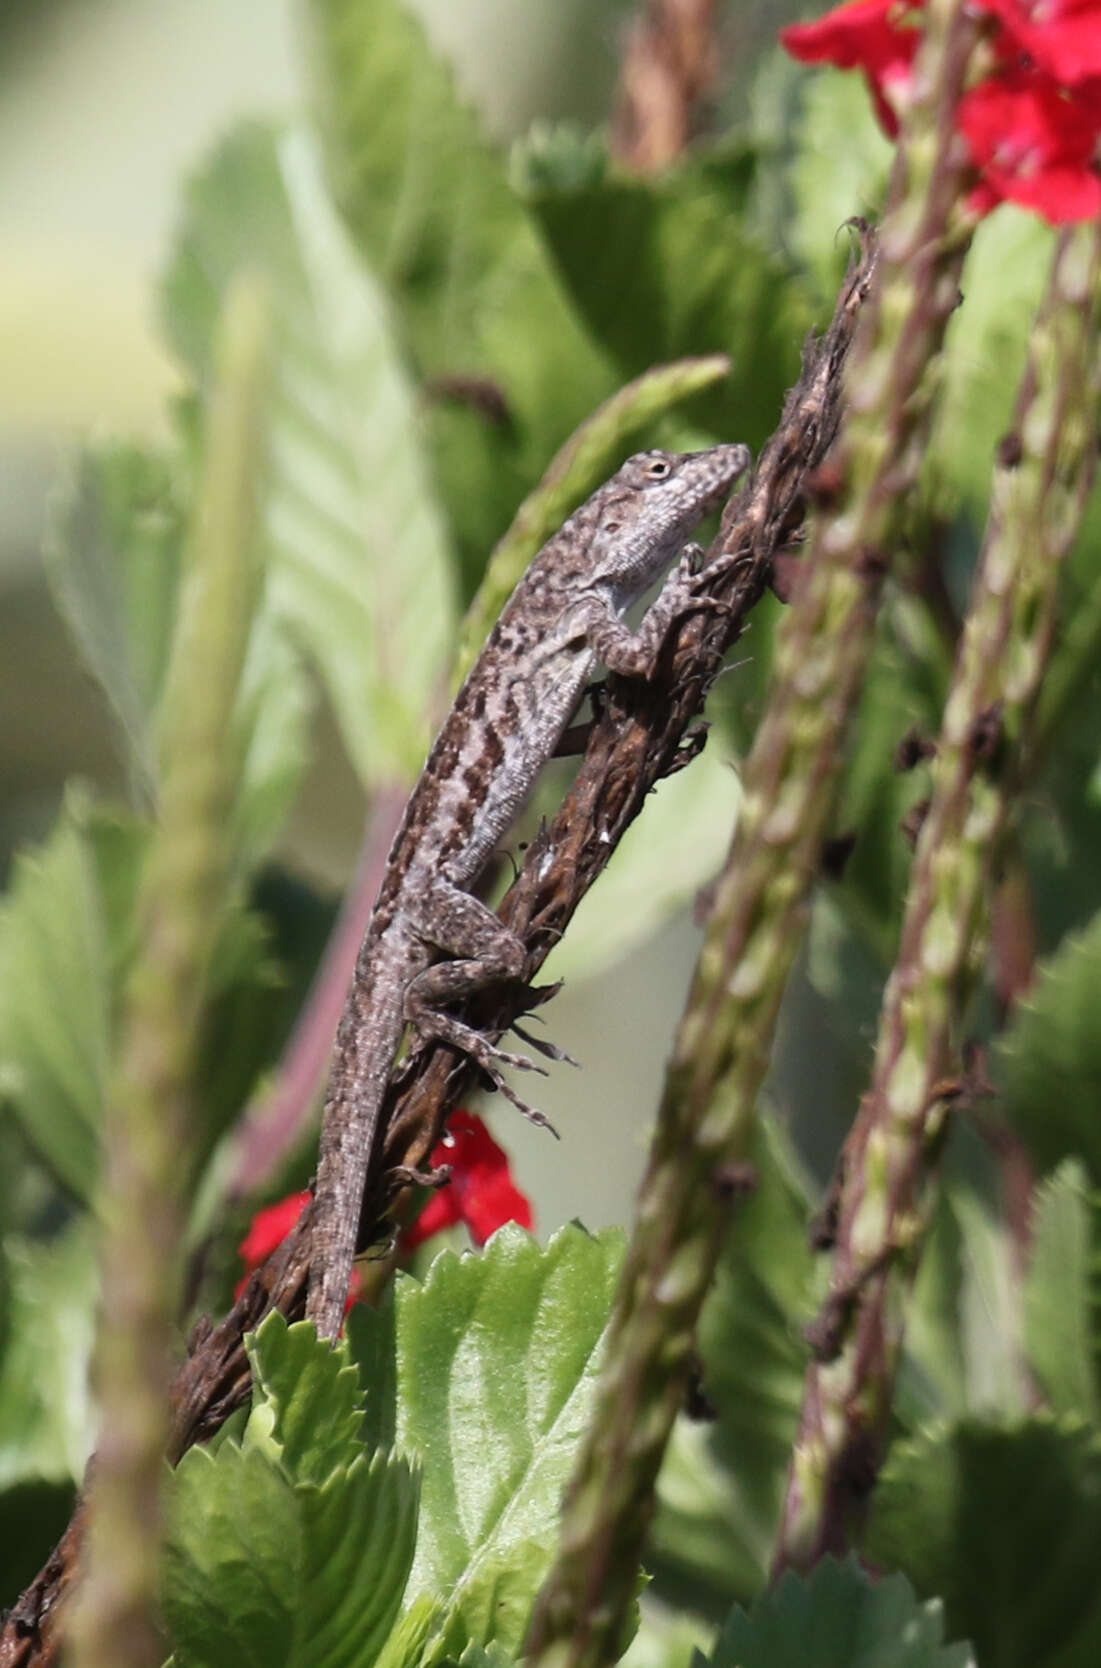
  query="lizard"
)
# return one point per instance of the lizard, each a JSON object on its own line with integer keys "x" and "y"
{"x": 565, "y": 616}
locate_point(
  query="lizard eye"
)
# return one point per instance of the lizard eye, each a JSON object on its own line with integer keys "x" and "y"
{"x": 611, "y": 526}
{"x": 657, "y": 470}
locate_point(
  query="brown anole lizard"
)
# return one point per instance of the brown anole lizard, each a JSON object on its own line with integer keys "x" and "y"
{"x": 565, "y": 617}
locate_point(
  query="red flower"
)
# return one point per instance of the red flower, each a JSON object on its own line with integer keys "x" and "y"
{"x": 481, "y": 1192}
{"x": 879, "y": 37}
{"x": 1033, "y": 126}
{"x": 1062, "y": 37}
{"x": 267, "y": 1231}
{"x": 1034, "y": 145}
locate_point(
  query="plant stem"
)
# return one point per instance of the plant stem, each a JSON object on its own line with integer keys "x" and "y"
{"x": 182, "y": 898}
{"x": 986, "y": 746}
{"x": 722, "y": 1048}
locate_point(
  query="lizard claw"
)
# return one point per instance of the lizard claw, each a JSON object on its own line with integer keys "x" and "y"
{"x": 549, "y": 1049}
{"x": 531, "y": 1113}
{"x": 519, "y": 1062}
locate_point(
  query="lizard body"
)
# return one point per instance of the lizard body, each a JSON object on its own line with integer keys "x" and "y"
{"x": 564, "y": 617}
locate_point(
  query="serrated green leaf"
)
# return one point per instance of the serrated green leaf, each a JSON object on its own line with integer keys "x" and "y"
{"x": 314, "y": 1395}
{"x": 669, "y": 266}
{"x": 1050, "y": 1057}
{"x": 496, "y": 1362}
{"x": 46, "y": 1414}
{"x": 358, "y": 568}
{"x": 55, "y": 999}
{"x": 262, "y": 1569}
{"x": 1003, "y": 1523}
{"x": 230, "y": 1560}
{"x": 721, "y": 1487}
{"x": 488, "y": 1656}
{"x": 557, "y": 156}
{"x": 1062, "y": 1292}
{"x": 587, "y": 458}
{"x": 461, "y": 259}
{"x": 358, "y": 1533}
{"x": 837, "y": 1617}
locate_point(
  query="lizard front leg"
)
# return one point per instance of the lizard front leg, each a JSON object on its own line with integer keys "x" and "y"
{"x": 486, "y": 954}
{"x": 634, "y": 654}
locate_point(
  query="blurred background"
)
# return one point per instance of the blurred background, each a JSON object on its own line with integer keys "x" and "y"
{"x": 150, "y": 150}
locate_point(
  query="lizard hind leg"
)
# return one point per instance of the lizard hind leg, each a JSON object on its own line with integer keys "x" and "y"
{"x": 448, "y": 981}
{"x": 487, "y": 954}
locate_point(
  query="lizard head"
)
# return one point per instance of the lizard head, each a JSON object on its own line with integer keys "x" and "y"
{"x": 649, "y": 508}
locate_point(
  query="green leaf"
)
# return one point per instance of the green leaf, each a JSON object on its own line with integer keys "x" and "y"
{"x": 821, "y": 158}
{"x": 33, "y": 1517}
{"x": 271, "y": 733}
{"x": 963, "y": 1350}
{"x": 496, "y": 1362}
{"x": 46, "y": 1414}
{"x": 113, "y": 552}
{"x": 588, "y": 457}
{"x": 839, "y": 168}
{"x": 66, "y": 939}
{"x": 314, "y": 1396}
{"x": 1003, "y": 1523}
{"x": 491, "y": 1656}
{"x": 1063, "y": 1292}
{"x": 1007, "y": 267}
{"x": 721, "y": 1487}
{"x": 358, "y": 568}
{"x": 1050, "y": 1057}
{"x": 837, "y": 1617}
{"x": 461, "y": 259}
{"x": 231, "y": 1560}
{"x": 293, "y": 1547}
{"x": 875, "y": 798}
{"x": 56, "y": 964}
{"x": 666, "y": 267}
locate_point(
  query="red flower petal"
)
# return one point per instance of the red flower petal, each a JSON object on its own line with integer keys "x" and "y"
{"x": 270, "y": 1227}
{"x": 1060, "y": 36}
{"x": 876, "y": 36}
{"x": 481, "y": 1192}
{"x": 1034, "y": 144}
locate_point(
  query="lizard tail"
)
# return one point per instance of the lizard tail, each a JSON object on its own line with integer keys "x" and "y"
{"x": 366, "y": 1046}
